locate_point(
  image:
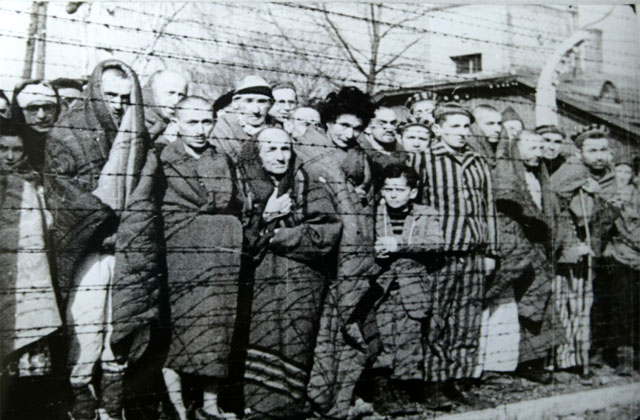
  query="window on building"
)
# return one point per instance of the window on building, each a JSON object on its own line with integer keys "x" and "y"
{"x": 467, "y": 64}
{"x": 591, "y": 56}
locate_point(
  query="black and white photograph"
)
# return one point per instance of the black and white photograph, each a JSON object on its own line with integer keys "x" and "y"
{"x": 235, "y": 210}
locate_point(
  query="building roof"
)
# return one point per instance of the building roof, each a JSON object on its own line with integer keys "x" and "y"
{"x": 590, "y": 97}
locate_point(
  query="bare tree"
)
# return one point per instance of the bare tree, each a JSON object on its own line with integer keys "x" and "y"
{"x": 370, "y": 64}
{"x": 375, "y": 52}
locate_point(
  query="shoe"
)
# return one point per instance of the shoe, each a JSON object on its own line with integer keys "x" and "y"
{"x": 454, "y": 393}
{"x": 84, "y": 404}
{"x": 540, "y": 376}
{"x": 497, "y": 378}
{"x": 434, "y": 398}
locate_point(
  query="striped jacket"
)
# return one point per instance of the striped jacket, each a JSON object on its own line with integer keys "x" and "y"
{"x": 458, "y": 185}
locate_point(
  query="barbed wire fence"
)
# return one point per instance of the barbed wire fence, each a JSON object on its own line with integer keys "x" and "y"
{"x": 317, "y": 47}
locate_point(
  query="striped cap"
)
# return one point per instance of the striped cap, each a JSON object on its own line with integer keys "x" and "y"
{"x": 421, "y": 96}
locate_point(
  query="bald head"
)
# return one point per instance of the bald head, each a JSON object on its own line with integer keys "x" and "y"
{"x": 302, "y": 119}
{"x": 194, "y": 121}
{"x": 168, "y": 89}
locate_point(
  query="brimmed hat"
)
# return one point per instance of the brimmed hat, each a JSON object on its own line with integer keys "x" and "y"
{"x": 589, "y": 131}
{"x": 421, "y": 96}
{"x": 451, "y": 108}
{"x": 544, "y": 129}
{"x": 409, "y": 124}
{"x": 253, "y": 85}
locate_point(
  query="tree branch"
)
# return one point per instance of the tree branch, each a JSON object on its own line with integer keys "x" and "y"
{"x": 161, "y": 30}
{"x": 390, "y": 62}
{"x": 345, "y": 46}
{"x": 407, "y": 19}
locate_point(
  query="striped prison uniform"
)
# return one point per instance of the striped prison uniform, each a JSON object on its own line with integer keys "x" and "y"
{"x": 458, "y": 186}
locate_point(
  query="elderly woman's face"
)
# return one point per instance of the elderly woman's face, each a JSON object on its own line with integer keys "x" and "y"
{"x": 275, "y": 151}
{"x": 344, "y": 130}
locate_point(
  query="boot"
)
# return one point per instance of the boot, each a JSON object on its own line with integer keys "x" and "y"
{"x": 111, "y": 393}
{"x": 434, "y": 398}
{"x": 84, "y": 404}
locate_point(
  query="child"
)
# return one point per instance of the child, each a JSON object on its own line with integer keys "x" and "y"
{"x": 29, "y": 311}
{"x": 406, "y": 235}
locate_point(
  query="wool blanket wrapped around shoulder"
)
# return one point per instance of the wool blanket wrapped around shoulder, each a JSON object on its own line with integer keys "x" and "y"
{"x": 204, "y": 245}
{"x": 28, "y": 303}
{"x": 294, "y": 260}
{"x": 339, "y": 359}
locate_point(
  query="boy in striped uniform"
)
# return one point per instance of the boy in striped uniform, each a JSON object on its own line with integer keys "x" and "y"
{"x": 456, "y": 181}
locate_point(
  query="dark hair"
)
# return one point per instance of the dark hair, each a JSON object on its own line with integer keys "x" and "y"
{"x": 116, "y": 69}
{"x": 7, "y": 127}
{"x": 222, "y": 102}
{"x": 348, "y": 100}
{"x": 63, "y": 82}
{"x": 396, "y": 170}
{"x": 443, "y": 110}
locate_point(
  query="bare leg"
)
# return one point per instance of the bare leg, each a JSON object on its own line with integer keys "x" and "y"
{"x": 210, "y": 401}
{"x": 174, "y": 389}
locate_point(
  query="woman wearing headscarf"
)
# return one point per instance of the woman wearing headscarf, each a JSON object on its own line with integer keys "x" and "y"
{"x": 291, "y": 229}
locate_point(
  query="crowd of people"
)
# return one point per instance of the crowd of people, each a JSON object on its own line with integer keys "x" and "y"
{"x": 169, "y": 257}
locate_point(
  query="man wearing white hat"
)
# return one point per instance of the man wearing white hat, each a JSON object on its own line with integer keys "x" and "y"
{"x": 251, "y": 100}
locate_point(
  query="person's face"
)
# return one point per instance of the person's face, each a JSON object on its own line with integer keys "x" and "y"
{"x": 397, "y": 194}
{"x": 302, "y": 119}
{"x": 117, "y": 93}
{"x": 169, "y": 89}
{"x": 69, "y": 96}
{"x": 512, "y": 127}
{"x": 40, "y": 115}
{"x": 454, "y": 130}
{"x": 194, "y": 126}
{"x": 596, "y": 153}
{"x": 344, "y": 130}
{"x": 552, "y": 145}
{"x": 624, "y": 174}
{"x": 252, "y": 108}
{"x": 384, "y": 126}
{"x": 416, "y": 139}
{"x": 490, "y": 124}
{"x": 423, "y": 112}
{"x": 275, "y": 151}
{"x": 531, "y": 148}
{"x": 11, "y": 151}
{"x": 4, "y": 108}
{"x": 284, "y": 101}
